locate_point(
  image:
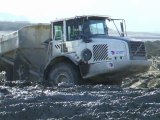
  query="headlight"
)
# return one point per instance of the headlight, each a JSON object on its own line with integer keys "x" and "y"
{"x": 86, "y": 55}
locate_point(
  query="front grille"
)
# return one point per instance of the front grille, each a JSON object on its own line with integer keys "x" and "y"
{"x": 137, "y": 49}
{"x": 100, "y": 52}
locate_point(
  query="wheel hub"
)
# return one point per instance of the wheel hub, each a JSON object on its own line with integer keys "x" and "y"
{"x": 63, "y": 78}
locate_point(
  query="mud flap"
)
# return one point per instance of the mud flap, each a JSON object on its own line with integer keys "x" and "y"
{"x": 84, "y": 68}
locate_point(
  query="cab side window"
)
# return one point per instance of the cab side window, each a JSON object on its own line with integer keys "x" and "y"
{"x": 58, "y": 30}
{"x": 73, "y": 30}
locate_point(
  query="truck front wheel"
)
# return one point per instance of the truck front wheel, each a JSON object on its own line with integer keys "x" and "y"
{"x": 64, "y": 73}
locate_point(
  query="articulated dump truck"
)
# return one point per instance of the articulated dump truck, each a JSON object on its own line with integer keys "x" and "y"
{"x": 72, "y": 51}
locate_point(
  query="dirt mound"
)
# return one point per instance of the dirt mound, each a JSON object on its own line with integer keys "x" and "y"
{"x": 150, "y": 79}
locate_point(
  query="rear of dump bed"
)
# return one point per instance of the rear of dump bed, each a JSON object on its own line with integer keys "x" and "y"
{"x": 9, "y": 42}
{"x": 25, "y": 45}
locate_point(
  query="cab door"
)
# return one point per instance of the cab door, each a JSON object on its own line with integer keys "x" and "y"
{"x": 73, "y": 32}
{"x": 57, "y": 38}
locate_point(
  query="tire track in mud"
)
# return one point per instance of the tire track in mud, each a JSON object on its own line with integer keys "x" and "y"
{"x": 78, "y": 102}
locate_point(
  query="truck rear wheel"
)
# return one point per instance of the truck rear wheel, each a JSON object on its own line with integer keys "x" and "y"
{"x": 21, "y": 69}
{"x": 9, "y": 73}
{"x": 64, "y": 73}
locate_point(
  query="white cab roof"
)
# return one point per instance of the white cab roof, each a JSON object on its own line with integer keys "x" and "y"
{"x": 88, "y": 16}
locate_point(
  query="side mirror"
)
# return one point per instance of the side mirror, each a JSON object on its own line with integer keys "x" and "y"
{"x": 106, "y": 29}
{"x": 85, "y": 38}
{"x": 122, "y": 29}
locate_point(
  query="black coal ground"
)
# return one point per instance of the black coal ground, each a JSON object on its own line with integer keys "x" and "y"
{"x": 30, "y": 102}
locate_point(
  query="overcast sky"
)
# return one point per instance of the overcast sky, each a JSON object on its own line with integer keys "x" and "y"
{"x": 140, "y": 15}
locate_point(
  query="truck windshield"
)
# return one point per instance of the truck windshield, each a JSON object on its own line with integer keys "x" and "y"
{"x": 107, "y": 27}
{"x": 97, "y": 27}
{"x": 114, "y": 28}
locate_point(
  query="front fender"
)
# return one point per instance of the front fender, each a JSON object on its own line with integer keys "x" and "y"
{"x": 56, "y": 58}
{"x": 59, "y": 58}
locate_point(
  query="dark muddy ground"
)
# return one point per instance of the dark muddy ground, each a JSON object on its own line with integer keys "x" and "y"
{"x": 29, "y": 101}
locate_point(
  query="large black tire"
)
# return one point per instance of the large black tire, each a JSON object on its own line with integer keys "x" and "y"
{"x": 64, "y": 72}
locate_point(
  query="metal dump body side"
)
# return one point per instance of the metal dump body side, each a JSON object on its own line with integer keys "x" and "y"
{"x": 28, "y": 44}
{"x": 31, "y": 46}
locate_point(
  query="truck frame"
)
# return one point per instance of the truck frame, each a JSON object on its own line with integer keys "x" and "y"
{"x": 72, "y": 51}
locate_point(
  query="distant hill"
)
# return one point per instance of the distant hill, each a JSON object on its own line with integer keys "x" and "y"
{"x": 144, "y": 36}
{"x": 12, "y": 26}
{"x": 10, "y": 22}
{"x": 11, "y": 17}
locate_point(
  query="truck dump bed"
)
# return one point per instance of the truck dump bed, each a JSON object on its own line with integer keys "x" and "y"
{"x": 31, "y": 39}
{"x": 28, "y": 42}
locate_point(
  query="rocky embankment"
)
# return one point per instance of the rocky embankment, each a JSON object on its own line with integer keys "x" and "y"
{"x": 150, "y": 79}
